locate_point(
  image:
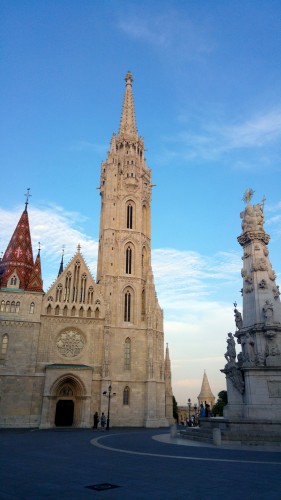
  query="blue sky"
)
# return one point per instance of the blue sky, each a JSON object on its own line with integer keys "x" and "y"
{"x": 207, "y": 89}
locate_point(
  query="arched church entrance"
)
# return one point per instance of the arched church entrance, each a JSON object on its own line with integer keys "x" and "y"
{"x": 69, "y": 393}
{"x": 64, "y": 413}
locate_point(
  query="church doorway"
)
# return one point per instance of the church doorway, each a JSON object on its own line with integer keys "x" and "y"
{"x": 64, "y": 413}
{"x": 67, "y": 397}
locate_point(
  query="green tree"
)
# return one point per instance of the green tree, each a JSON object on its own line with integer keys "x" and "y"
{"x": 221, "y": 402}
{"x": 175, "y": 408}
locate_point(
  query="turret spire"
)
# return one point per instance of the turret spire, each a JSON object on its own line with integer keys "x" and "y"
{"x": 128, "y": 121}
{"x": 61, "y": 262}
{"x": 17, "y": 263}
{"x": 35, "y": 283}
{"x": 206, "y": 392}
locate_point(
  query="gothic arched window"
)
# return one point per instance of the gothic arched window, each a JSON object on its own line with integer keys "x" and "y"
{"x": 128, "y": 305}
{"x": 129, "y": 216}
{"x": 17, "y": 307}
{"x": 144, "y": 220}
{"x": 67, "y": 287}
{"x": 90, "y": 294}
{"x": 143, "y": 305}
{"x": 127, "y": 354}
{"x": 4, "y": 345}
{"x": 83, "y": 287}
{"x": 126, "y": 396}
{"x": 59, "y": 292}
{"x": 13, "y": 306}
{"x": 129, "y": 260}
{"x": 2, "y": 305}
{"x": 8, "y": 306}
{"x": 32, "y": 308}
{"x": 13, "y": 280}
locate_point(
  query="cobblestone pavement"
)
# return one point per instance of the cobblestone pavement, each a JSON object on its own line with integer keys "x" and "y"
{"x": 143, "y": 464}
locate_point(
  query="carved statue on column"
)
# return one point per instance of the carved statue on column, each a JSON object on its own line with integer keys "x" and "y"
{"x": 248, "y": 354}
{"x": 230, "y": 354}
{"x": 238, "y": 319}
{"x": 268, "y": 312}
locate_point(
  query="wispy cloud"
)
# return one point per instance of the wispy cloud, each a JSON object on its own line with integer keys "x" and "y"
{"x": 214, "y": 140}
{"x": 176, "y": 35}
{"x": 183, "y": 276}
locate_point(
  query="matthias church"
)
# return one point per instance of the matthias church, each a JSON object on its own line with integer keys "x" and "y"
{"x": 64, "y": 351}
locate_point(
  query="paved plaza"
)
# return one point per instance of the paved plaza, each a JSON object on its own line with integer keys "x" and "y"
{"x": 131, "y": 464}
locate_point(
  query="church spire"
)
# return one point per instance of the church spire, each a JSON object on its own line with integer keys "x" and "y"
{"x": 35, "y": 283}
{"x": 128, "y": 122}
{"x": 17, "y": 263}
{"x": 61, "y": 262}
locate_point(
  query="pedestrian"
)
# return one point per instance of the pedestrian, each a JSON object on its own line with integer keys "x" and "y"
{"x": 96, "y": 420}
{"x": 102, "y": 421}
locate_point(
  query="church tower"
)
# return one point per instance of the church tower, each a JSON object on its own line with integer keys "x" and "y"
{"x": 134, "y": 320}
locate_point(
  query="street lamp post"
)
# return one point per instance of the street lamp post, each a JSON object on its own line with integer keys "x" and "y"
{"x": 195, "y": 413}
{"x": 109, "y": 396}
{"x": 189, "y": 406}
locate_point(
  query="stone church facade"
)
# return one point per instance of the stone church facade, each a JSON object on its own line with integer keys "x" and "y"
{"x": 62, "y": 350}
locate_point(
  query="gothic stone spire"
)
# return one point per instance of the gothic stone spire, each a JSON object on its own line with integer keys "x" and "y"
{"x": 128, "y": 122}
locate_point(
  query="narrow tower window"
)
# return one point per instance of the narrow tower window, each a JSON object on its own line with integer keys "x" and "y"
{"x": 129, "y": 216}
{"x": 143, "y": 305}
{"x": 126, "y": 396}
{"x": 127, "y": 306}
{"x": 31, "y": 308}
{"x": 4, "y": 345}
{"x": 127, "y": 354}
{"x": 128, "y": 260}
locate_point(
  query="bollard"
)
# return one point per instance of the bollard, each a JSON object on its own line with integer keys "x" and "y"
{"x": 173, "y": 430}
{"x": 217, "y": 437}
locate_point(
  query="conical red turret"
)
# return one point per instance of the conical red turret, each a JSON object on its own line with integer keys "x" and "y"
{"x": 17, "y": 262}
{"x": 35, "y": 281}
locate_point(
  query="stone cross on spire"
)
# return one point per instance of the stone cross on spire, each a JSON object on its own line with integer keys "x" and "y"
{"x": 128, "y": 121}
{"x": 27, "y": 194}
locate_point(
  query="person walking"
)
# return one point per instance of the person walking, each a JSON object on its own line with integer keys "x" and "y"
{"x": 96, "y": 420}
{"x": 102, "y": 421}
